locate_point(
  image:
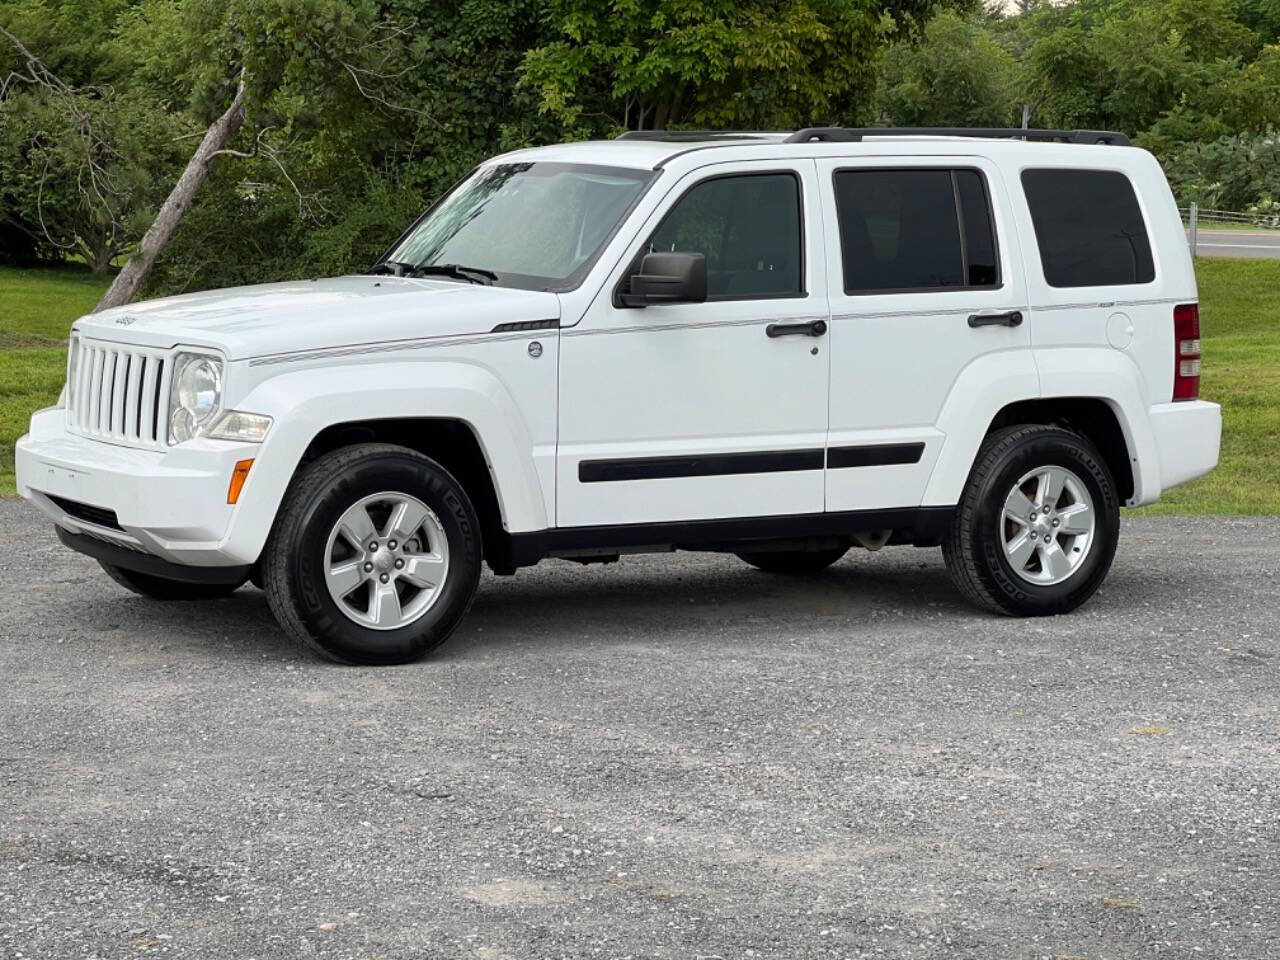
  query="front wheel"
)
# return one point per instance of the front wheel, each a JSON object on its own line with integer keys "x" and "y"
{"x": 374, "y": 557}
{"x": 1037, "y": 525}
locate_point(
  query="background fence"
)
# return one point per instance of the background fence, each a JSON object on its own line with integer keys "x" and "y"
{"x": 1197, "y": 218}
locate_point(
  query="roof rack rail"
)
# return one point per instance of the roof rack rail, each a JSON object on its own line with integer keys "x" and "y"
{"x": 853, "y": 134}
{"x": 683, "y": 136}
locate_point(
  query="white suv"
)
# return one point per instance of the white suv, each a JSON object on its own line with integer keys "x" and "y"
{"x": 776, "y": 345}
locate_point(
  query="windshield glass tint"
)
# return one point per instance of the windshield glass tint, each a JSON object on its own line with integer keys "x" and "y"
{"x": 537, "y": 225}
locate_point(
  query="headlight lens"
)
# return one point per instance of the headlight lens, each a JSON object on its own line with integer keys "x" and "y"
{"x": 238, "y": 425}
{"x": 196, "y": 396}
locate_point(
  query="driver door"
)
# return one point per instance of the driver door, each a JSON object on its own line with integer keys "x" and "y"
{"x": 715, "y": 410}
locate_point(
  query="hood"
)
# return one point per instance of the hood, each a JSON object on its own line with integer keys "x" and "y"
{"x": 270, "y": 318}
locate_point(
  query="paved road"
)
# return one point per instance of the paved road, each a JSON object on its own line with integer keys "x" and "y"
{"x": 668, "y": 757}
{"x": 1238, "y": 243}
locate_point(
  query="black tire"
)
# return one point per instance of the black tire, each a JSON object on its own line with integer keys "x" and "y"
{"x": 974, "y": 555}
{"x": 294, "y": 557}
{"x": 162, "y": 588}
{"x": 794, "y": 562}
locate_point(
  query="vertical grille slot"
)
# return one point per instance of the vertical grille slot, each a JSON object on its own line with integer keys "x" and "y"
{"x": 120, "y": 393}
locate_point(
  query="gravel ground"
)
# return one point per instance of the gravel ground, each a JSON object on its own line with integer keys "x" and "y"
{"x": 672, "y": 756}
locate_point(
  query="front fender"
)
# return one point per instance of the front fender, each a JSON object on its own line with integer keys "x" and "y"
{"x": 305, "y": 402}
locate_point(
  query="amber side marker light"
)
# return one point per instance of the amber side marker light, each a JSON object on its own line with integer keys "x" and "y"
{"x": 238, "y": 476}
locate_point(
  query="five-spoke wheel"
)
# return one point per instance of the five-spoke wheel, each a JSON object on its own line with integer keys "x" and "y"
{"x": 375, "y": 555}
{"x": 387, "y": 557}
{"x": 1037, "y": 524}
{"x": 1047, "y": 525}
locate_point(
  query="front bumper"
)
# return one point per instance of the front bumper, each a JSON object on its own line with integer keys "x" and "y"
{"x": 170, "y": 504}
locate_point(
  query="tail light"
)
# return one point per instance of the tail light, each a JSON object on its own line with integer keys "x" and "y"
{"x": 1186, "y": 351}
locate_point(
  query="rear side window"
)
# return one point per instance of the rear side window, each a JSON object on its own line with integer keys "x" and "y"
{"x": 1089, "y": 228}
{"x": 915, "y": 230}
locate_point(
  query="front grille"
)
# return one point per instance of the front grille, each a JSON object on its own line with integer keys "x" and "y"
{"x": 100, "y": 516}
{"x": 118, "y": 392}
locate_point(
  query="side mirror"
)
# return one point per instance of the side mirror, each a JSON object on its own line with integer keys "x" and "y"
{"x": 668, "y": 278}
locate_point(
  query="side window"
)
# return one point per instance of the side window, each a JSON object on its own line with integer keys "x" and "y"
{"x": 915, "y": 230}
{"x": 1089, "y": 228}
{"x": 748, "y": 228}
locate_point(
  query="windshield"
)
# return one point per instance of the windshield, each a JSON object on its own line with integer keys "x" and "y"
{"x": 534, "y": 225}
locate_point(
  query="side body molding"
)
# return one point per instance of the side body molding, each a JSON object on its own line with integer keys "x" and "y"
{"x": 304, "y": 402}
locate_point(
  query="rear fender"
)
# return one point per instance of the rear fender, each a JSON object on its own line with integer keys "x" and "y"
{"x": 996, "y": 380}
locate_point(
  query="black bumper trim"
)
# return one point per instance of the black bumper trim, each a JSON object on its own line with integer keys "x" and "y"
{"x": 153, "y": 566}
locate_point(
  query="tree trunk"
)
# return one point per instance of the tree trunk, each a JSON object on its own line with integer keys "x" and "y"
{"x": 99, "y": 258}
{"x": 220, "y": 132}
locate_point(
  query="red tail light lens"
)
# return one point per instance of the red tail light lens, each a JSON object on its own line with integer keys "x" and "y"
{"x": 1186, "y": 351}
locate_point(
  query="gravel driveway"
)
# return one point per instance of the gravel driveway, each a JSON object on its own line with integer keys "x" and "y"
{"x": 673, "y": 756}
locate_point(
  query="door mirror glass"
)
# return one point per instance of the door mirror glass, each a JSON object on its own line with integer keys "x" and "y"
{"x": 668, "y": 278}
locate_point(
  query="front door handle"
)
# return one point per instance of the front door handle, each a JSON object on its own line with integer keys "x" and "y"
{"x": 811, "y": 328}
{"x": 1011, "y": 319}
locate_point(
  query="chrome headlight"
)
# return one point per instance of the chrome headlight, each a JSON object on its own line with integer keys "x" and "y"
{"x": 195, "y": 399}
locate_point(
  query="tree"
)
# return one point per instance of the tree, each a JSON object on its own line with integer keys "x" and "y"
{"x": 638, "y": 64}
{"x": 358, "y": 170}
{"x": 277, "y": 65}
{"x": 957, "y": 75}
{"x": 77, "y": 161}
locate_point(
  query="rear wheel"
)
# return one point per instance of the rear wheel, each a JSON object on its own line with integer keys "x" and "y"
{"x": 1036, "y": 528}
{"x": 794, "y": 562}
{"x": 374, "y": 557}
{"x": 162, "y": 588}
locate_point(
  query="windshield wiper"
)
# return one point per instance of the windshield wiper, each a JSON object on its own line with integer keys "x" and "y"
{"x": 455, "y": 270}
{"x": 393, "y": 267}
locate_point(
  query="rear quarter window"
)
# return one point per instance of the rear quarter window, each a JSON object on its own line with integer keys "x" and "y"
{"x": 1089, "y": 228}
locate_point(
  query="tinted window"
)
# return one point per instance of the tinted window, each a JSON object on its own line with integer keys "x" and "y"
{"x": 979, "y": 235}
{"x": 901, "y": 230}
{"x": 747, "y": 227}
{"x": 1089, "y": 228}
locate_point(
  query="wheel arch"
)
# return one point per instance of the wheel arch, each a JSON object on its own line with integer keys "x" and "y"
{"x": 468, "y": 422}
{"x": 1092, "y": 417}
{"x": 1096, "y": 392}
{"x": 451, "y": 443}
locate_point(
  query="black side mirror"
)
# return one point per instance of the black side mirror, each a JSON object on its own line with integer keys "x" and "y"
{"x": 668, "y": 278}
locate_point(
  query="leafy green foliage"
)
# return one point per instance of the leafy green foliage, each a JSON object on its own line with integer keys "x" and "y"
{"x": 1195, "y": 81}
{"x": 361, "y": 112}
{"x": 638, "y": 64}
{"x": 957, "y": 75}
{"x": 75, "y": 189}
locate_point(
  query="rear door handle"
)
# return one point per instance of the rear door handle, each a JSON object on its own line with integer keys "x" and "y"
{"x": 1011, "y": 319}
{"x": 812, "y": 328}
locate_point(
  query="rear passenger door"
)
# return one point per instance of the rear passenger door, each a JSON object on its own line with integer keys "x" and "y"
{"x": 921, "y": 284}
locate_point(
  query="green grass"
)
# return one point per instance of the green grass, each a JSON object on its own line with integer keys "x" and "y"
{"x": 1240, "y": 328}
{"x": 37, "y": 308}
{"x": 1239, "y": 315}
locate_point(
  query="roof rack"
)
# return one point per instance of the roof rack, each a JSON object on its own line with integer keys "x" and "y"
{"x": 691, "y": 136}
{"x": 853, "y": 134}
